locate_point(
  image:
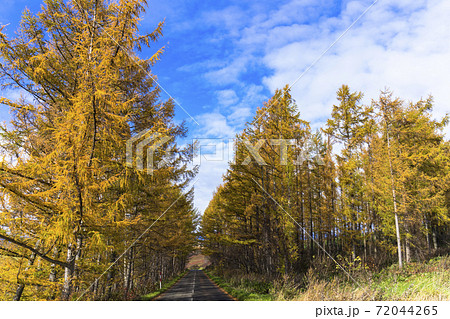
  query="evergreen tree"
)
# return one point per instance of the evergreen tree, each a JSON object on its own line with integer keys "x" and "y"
{"x": 68, "y": 197}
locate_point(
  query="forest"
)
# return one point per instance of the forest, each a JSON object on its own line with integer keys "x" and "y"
{"x": 368, "y": 190}
{"x": 80, "y": 221}
{"x": 72, "y": 210}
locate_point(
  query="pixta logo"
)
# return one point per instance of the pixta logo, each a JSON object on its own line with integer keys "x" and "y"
{"x": 219, "y": 150}
{"x": 145, "y": 140}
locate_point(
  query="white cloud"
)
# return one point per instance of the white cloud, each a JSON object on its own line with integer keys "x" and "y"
{"x": 227, "y": 97}
{"x": 230, "y": 73}
{"x": 214, "y": 125}
{"x": 222, "y": 126}
{"x": 394, "y": 46}
{"x": 211, "y": 169}
{"x": 251, "y": 97}
{"x": 231, "y": 19}
{"x": 399, "y": 44}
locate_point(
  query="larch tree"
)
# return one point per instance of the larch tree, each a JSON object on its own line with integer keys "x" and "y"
{"x": 347, "y": 127}
{"x": 282, "y": 209}
{"x": 68, "y": 196}
{"x": 410, "y": 152}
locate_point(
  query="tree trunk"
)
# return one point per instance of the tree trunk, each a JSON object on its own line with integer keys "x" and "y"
{"x": 407, "y": 250}
{"x": 21, "y": 285}
{"x": 19, "y": 292}
{"x": 52, "y": 276}
{"x": 434, "y": 236}
{"x": 427, "y": 235}
{"x": 394, "y": 199}
{"x": 68, "y": 274}
{"x": 110, "y": 277}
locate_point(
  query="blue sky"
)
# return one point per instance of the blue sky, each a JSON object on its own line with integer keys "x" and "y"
{"x": 224, "y": 58}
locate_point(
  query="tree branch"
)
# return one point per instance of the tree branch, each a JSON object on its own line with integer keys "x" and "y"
{"x": 37, "y": 252}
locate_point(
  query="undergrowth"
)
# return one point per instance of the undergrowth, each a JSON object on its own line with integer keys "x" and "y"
{"x": 416, "y": 281}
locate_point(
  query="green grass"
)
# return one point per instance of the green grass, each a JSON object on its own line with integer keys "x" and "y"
{"x": 165, "y": 285}
{"x": 243, "y": 289}
{"x": 429, "y": 281}
{"x": 416, "y": 281}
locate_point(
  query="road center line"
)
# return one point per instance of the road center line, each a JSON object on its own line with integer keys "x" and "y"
{"x": 193, "y": 286}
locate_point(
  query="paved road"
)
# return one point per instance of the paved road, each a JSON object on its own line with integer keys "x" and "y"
{"x": 194, "y": 286}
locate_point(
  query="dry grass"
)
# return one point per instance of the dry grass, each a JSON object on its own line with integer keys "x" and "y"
{"x": 334, "y": 289}
{"x": 417, "y": 281}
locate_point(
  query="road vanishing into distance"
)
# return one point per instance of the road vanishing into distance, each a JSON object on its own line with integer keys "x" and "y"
{"x": 194, "y": 286}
